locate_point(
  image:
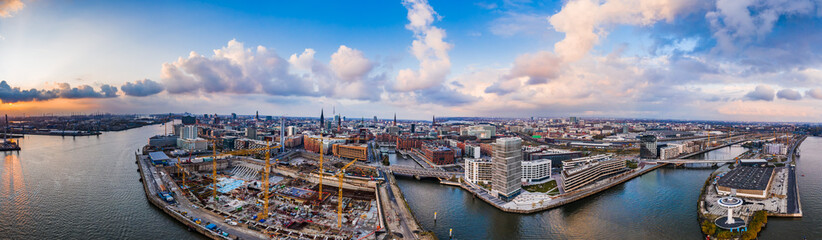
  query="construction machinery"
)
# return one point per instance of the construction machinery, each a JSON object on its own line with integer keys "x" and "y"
{"x": 266, "y": 170}
{"x": 340, "y": 177}
{"x": 320, "y": 193}
{"x": 184, "y": 172}
{"x": 267, "y": 150}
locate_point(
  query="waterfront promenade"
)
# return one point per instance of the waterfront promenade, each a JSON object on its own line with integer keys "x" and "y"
{"x": 528, "y": 202}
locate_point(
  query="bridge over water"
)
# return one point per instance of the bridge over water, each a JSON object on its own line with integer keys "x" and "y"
{"x": 422, "y": 172}
{"x": 686, "y": 161}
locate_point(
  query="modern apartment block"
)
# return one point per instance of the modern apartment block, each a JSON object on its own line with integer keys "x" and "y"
{"x": 578, "y": 173}
{"x": 507, "y": 160}
{"x": 478, "y": 170}
{"x": 647, "y": 147}
{"x": 536, "y": 170}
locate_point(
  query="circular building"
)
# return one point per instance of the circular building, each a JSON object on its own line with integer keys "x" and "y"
{"x": 730, "y": 222}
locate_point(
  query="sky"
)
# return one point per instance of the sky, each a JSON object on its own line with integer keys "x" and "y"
{"x": 734, "y": 60}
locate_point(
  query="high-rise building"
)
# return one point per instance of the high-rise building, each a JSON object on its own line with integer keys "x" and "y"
{"x": 507, "y": 160}
{"x": 178, "y": 130}
{"x": 573, "y": 120}
{"x": 413, "y": 127}
{"x": 233, "y": 116}
{"x": 189, "y": 132}
{"x": 647, "y": 147}
{"x": 251, "y": 132}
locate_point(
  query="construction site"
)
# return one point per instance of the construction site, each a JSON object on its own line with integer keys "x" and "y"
{"x": 302, "y": 196}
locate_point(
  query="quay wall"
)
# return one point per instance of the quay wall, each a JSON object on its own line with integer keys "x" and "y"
{"x": 155, "y": 200}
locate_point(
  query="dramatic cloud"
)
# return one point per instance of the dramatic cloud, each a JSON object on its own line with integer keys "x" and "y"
{"x": 428, "y": 47}
{"x": 761, "y": 92}
{"x": 350, "y": 64}
{"x": 8, "y": 7}
{"x": 142, "y": 88}
{"x": 736, "y": 23}
{"x": 789, "y": 94}
{"x": 585, "y": 22}
{"x": 63, "y": 90}
{"x": 814, "y": 93}
{"x": 235, "y": 69}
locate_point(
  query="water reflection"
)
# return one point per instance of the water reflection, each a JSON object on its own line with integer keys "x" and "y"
{"x": 13, "y": 187}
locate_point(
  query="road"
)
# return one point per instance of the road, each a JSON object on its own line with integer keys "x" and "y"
{"x": 184, "y": 205}
{"x": 793, "y": 194}
{"x": 395, "y": 217}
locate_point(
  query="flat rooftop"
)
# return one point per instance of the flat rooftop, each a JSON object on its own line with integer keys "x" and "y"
{"x": 749, "y": 178}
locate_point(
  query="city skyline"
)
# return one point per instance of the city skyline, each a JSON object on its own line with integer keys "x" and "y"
{"x": 711, "y": 60}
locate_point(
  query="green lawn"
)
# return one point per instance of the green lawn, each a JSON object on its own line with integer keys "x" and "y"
{"x": 545, "y": 187}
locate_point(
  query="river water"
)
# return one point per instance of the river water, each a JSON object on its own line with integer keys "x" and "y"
{"x": 80, "y": 188}
{"x": 88, "y": 188}
{"x": 658, "y": 205}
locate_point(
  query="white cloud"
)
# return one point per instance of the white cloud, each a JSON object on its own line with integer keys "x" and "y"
{"x": 585, "y": 22}
{"x": 738, "y": 22}
{"x": 814, "y": 93}
{"x": 304, "y": 61}
{"x": 538, "y": 67}
{"x": 236, "y": 69}
{"x": 789, "y": 94}
{"x": 761, "y": 92}
{"x": 350, "y": 64}
{"x": 429, "y": 48}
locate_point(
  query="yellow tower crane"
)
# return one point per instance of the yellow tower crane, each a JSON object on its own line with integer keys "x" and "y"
{"x": 267, "y": 150}
{"x": 322, "y": 173}
{"x": 214, "y": 172}
{"x": 183, "y": 171}
{"x": 320, "y": 193}
{"x": 266, "y": 171}
{"x": 340, "y": 176}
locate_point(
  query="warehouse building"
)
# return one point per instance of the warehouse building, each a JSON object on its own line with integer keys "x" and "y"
{"x": 745, "y": 181}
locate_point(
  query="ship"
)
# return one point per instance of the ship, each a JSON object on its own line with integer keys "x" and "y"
{"x": 8, "y": 144}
